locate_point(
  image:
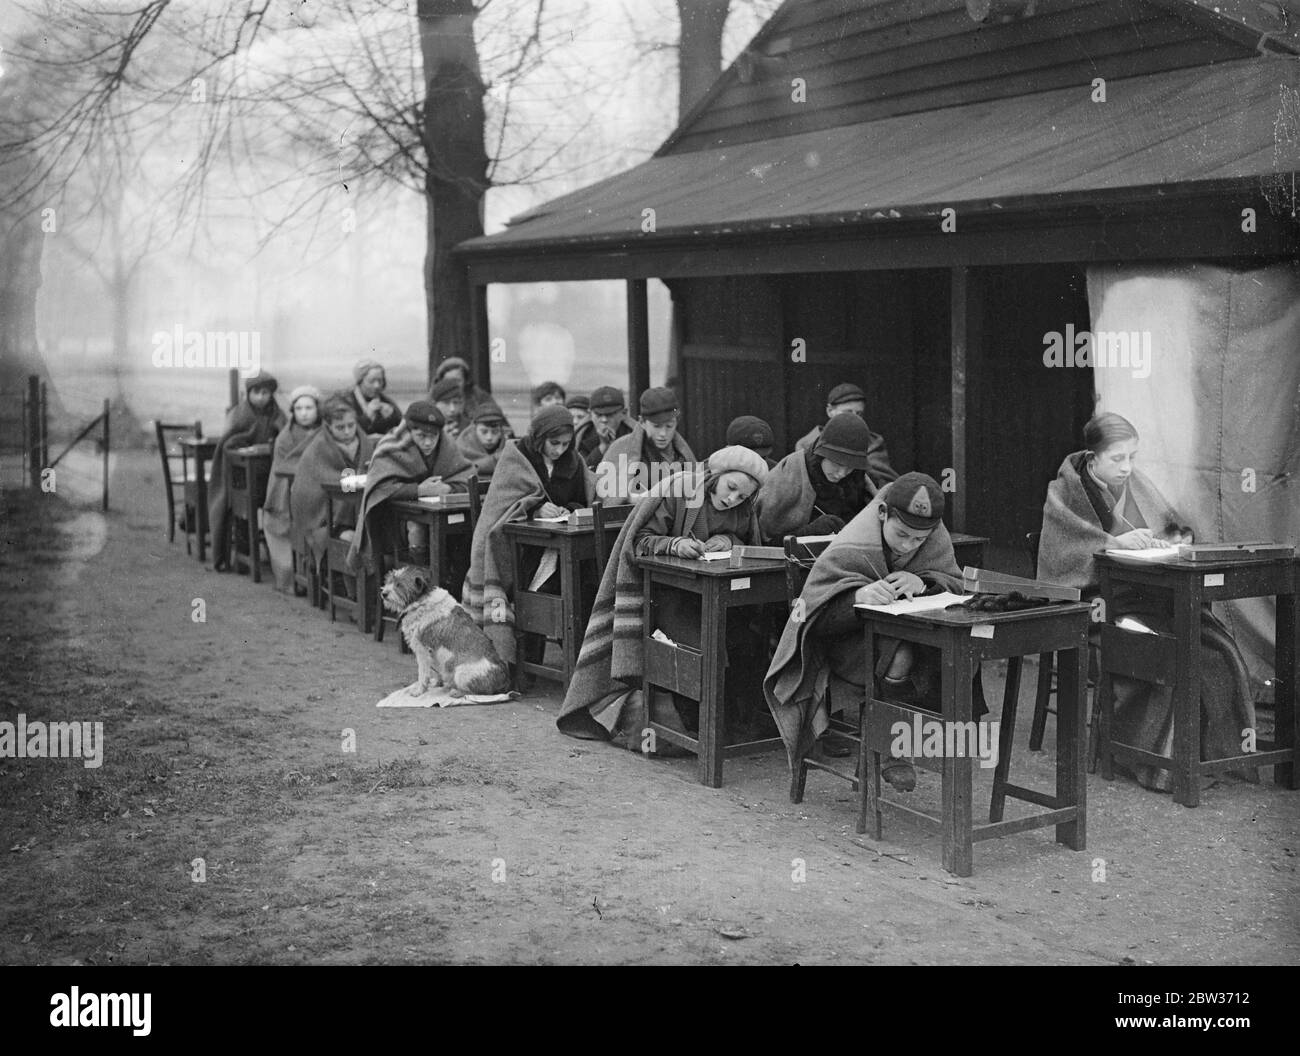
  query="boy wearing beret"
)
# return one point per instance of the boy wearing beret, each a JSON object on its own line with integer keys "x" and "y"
{"x": 651, "y": 452}
{"x": 847, "y": 398}
{"x": 896, "y": 547}
{"x": 608, "y": 422}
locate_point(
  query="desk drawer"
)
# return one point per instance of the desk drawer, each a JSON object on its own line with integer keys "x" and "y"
{"x": 673, "y": 667}
{"x": 1149, "y": 657}
{"x": 541, "y": 613}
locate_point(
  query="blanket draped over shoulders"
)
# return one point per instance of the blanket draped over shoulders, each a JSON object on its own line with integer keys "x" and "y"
{"x": 245, "y": 426}
{"x": 323, "y": 462}
{"x": 471, "y": 447}
{"x": 623, "y": 472}
{"x": 489, "y": 592}
{"x": 290, "y": 446}
{"x": 796, "y": 680}
{"x": 604, "y": 699}
{"x": 398, "y": 461}
{"x": 1073, "y": 517}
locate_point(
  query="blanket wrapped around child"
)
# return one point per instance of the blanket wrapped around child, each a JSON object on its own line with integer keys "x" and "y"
{"x": 398, "y": 461}
{"x": 604, "y": 700}
{"x": 246, "y": 426}
{"x": 797, "y": 678}
{"x": 1078, "y": 520}
{"x": 489, "y": 592}
{"x": 324, "y": 461}
{"x": 286, "y": 455}
{"x": 624, "y": 473}
{"x": 787, "y": 499}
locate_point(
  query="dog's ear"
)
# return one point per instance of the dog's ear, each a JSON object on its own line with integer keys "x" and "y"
{"x": 421, "y": 581}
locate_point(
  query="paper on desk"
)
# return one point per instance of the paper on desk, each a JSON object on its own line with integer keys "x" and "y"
{"x": 918, "y": 604}
{"x": 545, "y": 570}
{"x": 716, "y": 555}
{"x": 1157, "y": 554}
{"x": 1129, "y": 623}
{"x": 561, "y": 519}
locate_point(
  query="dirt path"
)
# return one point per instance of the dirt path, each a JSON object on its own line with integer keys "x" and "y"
{"x": 482, "y": 834}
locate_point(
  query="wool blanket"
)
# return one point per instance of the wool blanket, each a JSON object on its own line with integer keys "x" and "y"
{"x": 398, "y": 461}
{"x": 245, "y": 426}
{"x": 604, "y": 699}
{"x": 623, "y": 474}
{"x": 879, "y": 470}
{"x": 1073, "y": 517}
{"x": 797, "y": 678}
{"x": 290, "y": 446}
{"x": 471, "y": 447}
{"x": 489, "y": 591}
{"x": 324, "y": 462}
{"x": 787, "y": 498}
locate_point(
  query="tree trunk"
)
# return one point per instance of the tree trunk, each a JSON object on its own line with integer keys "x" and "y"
{"x": 699, "y": 49}
{"x": 20, "y": 279}
{"x": 457, "y": 169}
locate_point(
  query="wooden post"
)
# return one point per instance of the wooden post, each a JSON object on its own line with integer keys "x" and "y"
{"x": 480, "y": 356}
{"x": 967, "y": 340}
{"x": 638, "y": 341}
{"x": 43, "y": 422}
{"x": 234, "y": 387}
{"x": 105, "y": 503}
{"x": 31, "y": 434}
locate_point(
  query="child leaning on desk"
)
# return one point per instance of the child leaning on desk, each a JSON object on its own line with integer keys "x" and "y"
{"x": 699, "y": 510}
{"x": 896, "y": 547}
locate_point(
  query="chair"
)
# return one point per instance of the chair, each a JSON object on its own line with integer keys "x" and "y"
{"x": 246, "y": 480}
{"x": 335, "y": 579}
{"x": 174, "y": 483}
{"x": 799, "y": 559}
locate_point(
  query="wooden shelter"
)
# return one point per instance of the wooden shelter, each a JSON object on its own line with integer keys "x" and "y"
{"x": 905, "y": 194}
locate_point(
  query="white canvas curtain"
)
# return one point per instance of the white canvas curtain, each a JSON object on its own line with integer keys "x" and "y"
{"x": 1218, "y": 410}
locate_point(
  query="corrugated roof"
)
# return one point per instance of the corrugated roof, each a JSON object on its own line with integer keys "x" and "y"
{"x": 1235, "y": 120}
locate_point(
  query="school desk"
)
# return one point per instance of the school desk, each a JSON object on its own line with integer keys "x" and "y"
{"x": 1176, "y": 661}
{"x": 700, "y": 675}
{"x": 361, "y": 604}
{"x": 200, "y": 449}
{"x": 449, "y": 516}
{"x": 247, "y": 471}
{"x": 964, "y": 639}
{"x": 558, "y": 615}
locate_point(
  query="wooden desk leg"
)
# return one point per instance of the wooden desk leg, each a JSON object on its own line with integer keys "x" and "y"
{"x": 570, "y": 606}
{"x": 957, "y": 773}
{"x": 713, "y": 640}
{"x": 1104, "y": 700}
{"x": 647, "y": 628}
{"x": 1006, "y": 737}
{"x": 1071, "y": 723}
{"x": 868, "y": 761}
{"x": 1286, "y": 687}
{"x": 201, "y": 514}
{"x": 1186, "y": 702}
{"x": 254, "y": 546}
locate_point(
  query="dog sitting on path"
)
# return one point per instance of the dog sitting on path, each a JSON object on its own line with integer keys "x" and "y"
{"x": 450, "y": 649}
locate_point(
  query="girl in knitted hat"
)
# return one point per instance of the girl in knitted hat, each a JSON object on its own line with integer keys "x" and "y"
{"x": 705, "y": 508}
{"x": 256, "y": 420}
{"x": 304, "y": 424}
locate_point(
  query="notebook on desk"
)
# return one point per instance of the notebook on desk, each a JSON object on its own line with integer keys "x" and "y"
{"x": 923, "y": 603}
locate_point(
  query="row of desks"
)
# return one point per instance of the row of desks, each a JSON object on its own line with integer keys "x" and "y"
{"x": 965, "y": 639}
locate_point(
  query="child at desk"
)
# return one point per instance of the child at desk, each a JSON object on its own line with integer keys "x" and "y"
{"x": 686, "y": 515}
{"x": 1101, "y": 501}
{"x": 256, "y": 420}
{"x": 340, "y": 449}
{"x": 290, "y": 446}
{"x": 540, "y": 475}
{"x": 896, "y": 547}
{"x": 416, "y": 460}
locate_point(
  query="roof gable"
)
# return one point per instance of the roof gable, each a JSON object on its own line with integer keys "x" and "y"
{"x": 820, "y": 64}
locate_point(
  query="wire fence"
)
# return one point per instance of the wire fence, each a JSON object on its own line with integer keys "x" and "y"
{"x": 83, "y": 448}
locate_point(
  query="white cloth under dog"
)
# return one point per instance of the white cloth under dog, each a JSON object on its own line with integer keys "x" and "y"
{"x": 440, "y": 697}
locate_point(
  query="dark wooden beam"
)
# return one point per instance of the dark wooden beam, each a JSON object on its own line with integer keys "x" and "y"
{"x": 638, "y": 341}
{"x": 967, "y": 353}
{"x": 1198, "y": 229}
{"x": 480, "y": 356}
